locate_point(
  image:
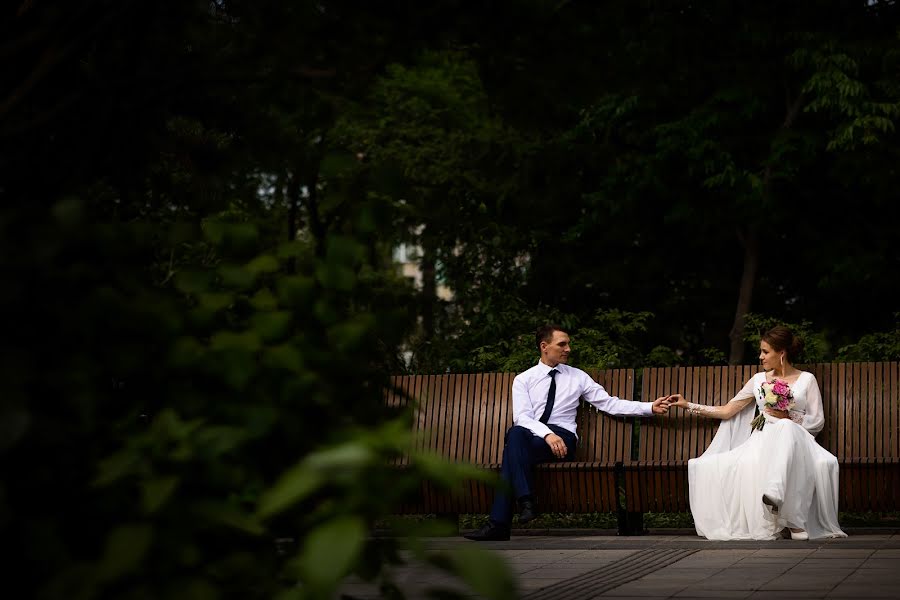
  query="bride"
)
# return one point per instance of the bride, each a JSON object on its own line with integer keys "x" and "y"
{"x": 750, "y": 487}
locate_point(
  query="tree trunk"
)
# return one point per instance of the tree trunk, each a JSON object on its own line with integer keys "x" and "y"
{"x": 293, "y": 197}
{"x": 793, "y": 105}
{"x": 429, "y": 288}
{"x": 745, "y": 296}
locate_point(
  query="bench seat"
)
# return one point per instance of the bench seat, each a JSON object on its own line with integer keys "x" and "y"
{"x": 464, "y": 418}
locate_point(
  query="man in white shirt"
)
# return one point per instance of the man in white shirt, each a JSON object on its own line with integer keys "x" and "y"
{"x": 545, "y": 401}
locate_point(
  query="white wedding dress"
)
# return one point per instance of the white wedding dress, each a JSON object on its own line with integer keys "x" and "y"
{"x": 783, "y": 461}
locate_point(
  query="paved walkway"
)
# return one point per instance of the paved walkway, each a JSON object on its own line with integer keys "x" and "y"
{"x": 864, "y": 565}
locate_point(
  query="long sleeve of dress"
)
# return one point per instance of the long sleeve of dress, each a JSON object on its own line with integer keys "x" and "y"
{"x": 748, "y": 391}
{"x": 814, "y": 419}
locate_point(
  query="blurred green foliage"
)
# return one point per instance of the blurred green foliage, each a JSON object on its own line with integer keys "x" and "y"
{"x": 200, "y": 202}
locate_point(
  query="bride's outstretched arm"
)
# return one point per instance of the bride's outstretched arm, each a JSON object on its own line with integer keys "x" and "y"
{"x": 726, "y": 411}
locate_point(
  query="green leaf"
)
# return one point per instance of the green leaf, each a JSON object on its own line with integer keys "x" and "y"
{"x": 156, "y": 491}
{"x": 344, "y": 250}
{"x": 193, "y": 281}
{"x": 294, "y": 249}
{"x": 69, "y": 212}
{"x": 335, "y": 164}
{"x": 347, "y": 456}
{"x": 336, "y": 276}
{"x": 215, "y": 302}
{"x": 248, "y": 341}
{"x": 237, "y": 365}
{"x": 214, "y": 231}
{"x": 351, "y": 334}
{"x": 283, "y": 357}
{"x": 229, "y": 515}
{"x": 237, "y": 278}
{"x": 310, "y": 474}
{"x": 116, "y": 466}
{"x": 265, "y": 263}
{"x": 216, "y": 440}
{"x": 240, "y": 237}
{"x": 125, "y": 548}
{"x": 296, "y": 291}
{"x": 194, "y": 589}
{"x": 486, "y": 572}
{"x": 169, "y": 425}
{"x": 365, "y": 220}
{"x": 330, "y": 552}
{"x": 186, "y": 351}
{"x": 264, "y": 299}
{"x": 292, "y": 487}
{"x": 324, "y": 310}
{"x": 272, "y": 326}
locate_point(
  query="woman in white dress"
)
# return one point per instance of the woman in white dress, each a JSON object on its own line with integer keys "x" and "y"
{"x": 751, "y": 483}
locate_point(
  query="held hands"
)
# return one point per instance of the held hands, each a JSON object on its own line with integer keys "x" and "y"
{"x": 677, "y": 400}
{"x": 661, "y": 405}
{"x": 557, "y": 445}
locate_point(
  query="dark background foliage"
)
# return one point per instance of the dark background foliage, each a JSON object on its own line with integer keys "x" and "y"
{"x": 202, "y": 203}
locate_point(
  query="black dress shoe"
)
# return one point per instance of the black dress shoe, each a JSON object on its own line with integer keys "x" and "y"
{"x": 490, "y": 533}
{"x": 527, "y": 511}
{"x": 771, "y": 502}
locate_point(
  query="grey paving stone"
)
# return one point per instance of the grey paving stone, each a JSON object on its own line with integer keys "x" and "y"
{"x": 881, "y": 563}
{"x": 693, "y": 593}
{"x": 821, "y": 563}
{"x": 808, "y": 579}
{"x": 605, "y": 597}
{"x": 648, "y": 588}
{"x": 842, "y": 553}
{"x": 864, "y": 575}
{"x": 529, "y": 585}
{"x": 858, "y": 567}
{"x": 677, "y": 573}
{"x": 735, "y": 580}
{"x": 781, "y": 595}
{"x": 554, "y": 573}
{"x": 859, "y": 590}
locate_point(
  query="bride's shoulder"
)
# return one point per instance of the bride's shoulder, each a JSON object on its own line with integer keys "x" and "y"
{"x": 807, "y": 374}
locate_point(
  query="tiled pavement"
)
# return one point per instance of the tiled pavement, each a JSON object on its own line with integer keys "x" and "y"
{"x": 864, "y": 565}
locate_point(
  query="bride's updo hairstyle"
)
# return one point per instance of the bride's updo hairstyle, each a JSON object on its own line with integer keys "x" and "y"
{"x": 782, "y": 338}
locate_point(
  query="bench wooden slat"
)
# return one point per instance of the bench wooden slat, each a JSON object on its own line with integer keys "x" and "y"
{"x": 464, "y": 418}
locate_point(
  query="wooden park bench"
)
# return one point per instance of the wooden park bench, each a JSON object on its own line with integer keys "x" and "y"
{"x": 635, "y": 465}
{"x": 464, "y": 418}
{"x": 862, "y": 429}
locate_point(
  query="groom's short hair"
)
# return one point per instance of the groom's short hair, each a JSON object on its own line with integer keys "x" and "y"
{"x": 544, "y": 333}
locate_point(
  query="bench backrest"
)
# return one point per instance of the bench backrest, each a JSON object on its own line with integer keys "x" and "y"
{"x": 464, "y": 417}
{"x": 862, "y": 409}
{"x": 679, "y": 435}
{"x": 861, "y": 404}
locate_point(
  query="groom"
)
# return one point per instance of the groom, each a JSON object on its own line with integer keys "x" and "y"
{"x": 545, "y": 400}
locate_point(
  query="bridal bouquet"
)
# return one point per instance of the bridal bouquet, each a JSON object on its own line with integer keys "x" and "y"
{"x": 775, "y": 394}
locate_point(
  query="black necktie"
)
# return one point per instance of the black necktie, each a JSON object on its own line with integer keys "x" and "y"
{"x": 551, "y": 397}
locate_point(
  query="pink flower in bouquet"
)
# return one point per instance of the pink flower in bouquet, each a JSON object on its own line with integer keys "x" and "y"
{"x": 775, "y": 394}
{"x": 783, "y": 391}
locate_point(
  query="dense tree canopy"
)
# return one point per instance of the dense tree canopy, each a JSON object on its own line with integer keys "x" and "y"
{"x": 201, "y": 201}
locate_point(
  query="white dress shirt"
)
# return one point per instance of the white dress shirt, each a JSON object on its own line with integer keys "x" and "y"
{"x": 530, "y": 388}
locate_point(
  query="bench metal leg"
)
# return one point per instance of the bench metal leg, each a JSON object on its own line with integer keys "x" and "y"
{"x": 631, "y": 523}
